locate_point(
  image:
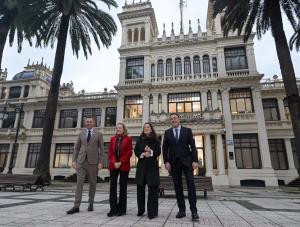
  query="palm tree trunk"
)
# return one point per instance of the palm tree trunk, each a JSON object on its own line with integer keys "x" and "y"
{"x": 42, "y": 167}
{"x": 3, "y": 36}
{"x": 287, "y": 70}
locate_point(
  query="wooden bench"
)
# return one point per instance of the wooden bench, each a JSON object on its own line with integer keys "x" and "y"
{"x": 201, "y": 183}
{"x": 30, "y": 182}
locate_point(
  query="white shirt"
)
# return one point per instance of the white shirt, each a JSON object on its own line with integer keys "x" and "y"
{"x": 87, "y": 132}
{"x": 174, "y": 131}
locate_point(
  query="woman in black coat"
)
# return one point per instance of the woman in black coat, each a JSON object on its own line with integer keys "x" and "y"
{"x": 147, "y": 149}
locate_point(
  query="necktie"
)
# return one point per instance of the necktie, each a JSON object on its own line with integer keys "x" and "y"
{"x": 176, "y": 135}
{"x": 88, "y": 136}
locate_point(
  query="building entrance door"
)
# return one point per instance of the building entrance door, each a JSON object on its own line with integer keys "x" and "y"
{"x": 201, "y": 155}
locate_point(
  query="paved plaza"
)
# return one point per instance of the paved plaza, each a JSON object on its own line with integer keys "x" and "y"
{"x": 224, "y": 207}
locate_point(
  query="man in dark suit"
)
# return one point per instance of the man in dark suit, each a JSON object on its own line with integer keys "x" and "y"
{"x": 180, "y": 155}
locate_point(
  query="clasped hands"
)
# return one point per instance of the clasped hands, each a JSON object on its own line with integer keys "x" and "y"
{"x": 146, "y": 153}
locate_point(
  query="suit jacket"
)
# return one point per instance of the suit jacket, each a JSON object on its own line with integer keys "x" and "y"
{"x": 93, "y": 150}
{"x": 185, "y": 149}
{"x": 125, "y": 153}
{"x": 147, "y": 167}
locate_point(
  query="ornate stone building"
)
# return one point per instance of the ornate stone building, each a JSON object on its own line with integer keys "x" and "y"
{"x": 241, "y": 124}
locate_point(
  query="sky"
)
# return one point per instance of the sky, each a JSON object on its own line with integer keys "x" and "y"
{"x": 101, "y": 70}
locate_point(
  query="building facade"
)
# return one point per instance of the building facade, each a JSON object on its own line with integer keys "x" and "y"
{"x": 241, "y": 124}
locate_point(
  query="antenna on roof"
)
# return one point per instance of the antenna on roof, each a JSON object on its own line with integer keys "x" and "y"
{"x": 182, "y": 3}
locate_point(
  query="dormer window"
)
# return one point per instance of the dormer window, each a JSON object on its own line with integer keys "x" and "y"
{"x": 129, "y": 36}
{"x": 136, "y": 35}
{"x": 14, "y": 92}
{"x": 142, "y": 35}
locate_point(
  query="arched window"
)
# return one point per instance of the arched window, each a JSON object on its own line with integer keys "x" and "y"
{"x": 209, "y": 101}
{"x": 160, "y": 68}
{"x": 178, "y": 66}
{"x": 152, "y": 70}
{"x": 151, "y": 103}
{"x": 196, "y": 64}
{"x": 136, "y": 35}
{"x": 187, "y": 65}
{"x": 129, "y": 36}
{"x": 142, "y": 35}
{"x": 215, "y": 65}
{"x": 169, "y": 67}
{"x": 159, "y": 103}
{"x": 206, "y": 64}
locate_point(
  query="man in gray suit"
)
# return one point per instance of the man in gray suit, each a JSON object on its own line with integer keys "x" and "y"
{"x": 87, "y": 160}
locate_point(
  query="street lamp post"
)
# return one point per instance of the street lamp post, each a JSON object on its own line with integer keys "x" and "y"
{"x": 11, "y": 161}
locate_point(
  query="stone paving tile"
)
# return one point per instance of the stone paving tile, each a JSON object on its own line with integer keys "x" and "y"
{"x": 221, "y": 209}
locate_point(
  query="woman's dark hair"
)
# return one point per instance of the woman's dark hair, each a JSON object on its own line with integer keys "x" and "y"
{"x": 153, "y": 133}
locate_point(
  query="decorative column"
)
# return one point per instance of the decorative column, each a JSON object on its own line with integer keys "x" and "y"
{"x": 57, "y": 119}
{"x": 208, "y": 155}
{"x": 28, "y": 119}
{"x": 220, "y": 154}
{"x": 155, "y": 103}
{"x": 281, "y": 109}
{"x": 147, "y": 70}
{"x": 289, "y": 154}
{"x": 214, "y": 96}
{"x": 120, "y": 108}
{"x": 261, "y": 127}
{"x": 174, "y": 68}
{"x": 80, "y": 124}
{"x": 9, "y": 156}
{"x": 22, "y": 91}
{"x": 228, "y": 128}
{"x": 18, "y": 115}
{"x": 7, "y": 93}
{"x": 251, "y": 58}
{"x": 164, "y": 102}
{"x": 103, "y": 113}
{"x": 122, "y": 73}
{"x": 221, "y": 62}
{"x": 145, "y": 109}
{"x": 204, "y": 99}
{"x": 192, "y": 64}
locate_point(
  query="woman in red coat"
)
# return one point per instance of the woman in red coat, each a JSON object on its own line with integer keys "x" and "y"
{"x": 120, "y": 151}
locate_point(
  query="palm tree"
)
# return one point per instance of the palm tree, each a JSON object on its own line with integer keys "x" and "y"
{"x": 14, "y": 20}
{"x": 82, "y": 19}
{"x": 295, "y": 39}
{"x": 242, "y": 15}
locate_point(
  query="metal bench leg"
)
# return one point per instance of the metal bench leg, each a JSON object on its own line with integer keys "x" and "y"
{"x": 205, "y": 194}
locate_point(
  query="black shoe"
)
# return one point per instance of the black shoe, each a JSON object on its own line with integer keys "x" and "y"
{"x": 73, "y": 210}
{"x": 152, "y": 216}
{"x": 195, "y": 216}
{"x": 180, "y": 214}
{"x": 121, "y": 213}
{"x": 110, "y": 214}
{"x": 140, "y": 213}
{"x": 91, "y": 207}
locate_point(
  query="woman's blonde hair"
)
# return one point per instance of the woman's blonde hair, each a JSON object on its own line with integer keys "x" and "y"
{"x": 125, "y": 130}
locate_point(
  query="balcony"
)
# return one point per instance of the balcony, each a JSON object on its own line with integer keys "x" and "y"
{"x": 133, "y": 81}
{"x": 277, "y": 125}
{"x": 204, "y": 116}
{"x": 244, "y": 117}
{"x": 133, "y": 122}
{"x": 238, "y": 73}
{"x": 185, "y": 78}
